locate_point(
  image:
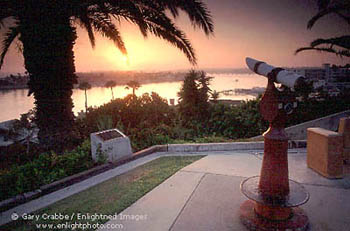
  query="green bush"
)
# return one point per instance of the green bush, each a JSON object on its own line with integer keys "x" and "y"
{"x": 312, "y": 109}
{"x": 45, "y": 169}
{"x": 149, "y": 120}
{"x": 146, "y": 137}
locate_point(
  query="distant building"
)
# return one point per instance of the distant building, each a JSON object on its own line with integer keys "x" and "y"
{"x": 319, "y": 83}
{"x": 311, "y": 73}
{"x": 333, "y": 91}
{"x": 333, "y": 79}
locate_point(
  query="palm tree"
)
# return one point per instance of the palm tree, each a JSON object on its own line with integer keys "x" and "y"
{"x": 337, "y": 45}
{"x": 85, "y": 86}
{"x": 215, "y": 96}
{"x": 111, "y": 84}
{"x": 134, "y": 85}
{"x": 46, "y": 33}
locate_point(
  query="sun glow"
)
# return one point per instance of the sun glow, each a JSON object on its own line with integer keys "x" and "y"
{"x": 126, "y": 59}
{"x": 117, "y": 59}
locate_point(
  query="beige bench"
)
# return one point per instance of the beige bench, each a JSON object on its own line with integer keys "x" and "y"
{"x": 344, "y": 130}
{"x": 325, "y": 152}
{"x": 328, "y": 151}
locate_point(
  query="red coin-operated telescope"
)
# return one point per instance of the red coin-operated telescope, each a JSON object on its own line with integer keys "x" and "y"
{"x": 273, "y": 198}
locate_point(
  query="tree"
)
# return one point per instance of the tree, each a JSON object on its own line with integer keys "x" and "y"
{"x": 204, "y": 81}
{"x": 111, "y": 84}
{"x": 85, "y": 86}
{"x": 134, "y": 85}
{"x": 24, "y": 129}
{"x": 46, "y": 35}
{"x": 337, "y": 45}
{"x": 215, "y": 96}
{"x": 194, "y": 96}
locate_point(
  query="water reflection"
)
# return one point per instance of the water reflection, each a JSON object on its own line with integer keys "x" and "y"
{"x": 16, "y": 102}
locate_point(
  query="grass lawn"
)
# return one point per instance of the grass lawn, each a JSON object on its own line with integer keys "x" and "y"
{"x": 109, "y": 197}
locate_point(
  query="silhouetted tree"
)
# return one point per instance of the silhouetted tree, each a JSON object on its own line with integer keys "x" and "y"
{"x": 337, "y": 45}
{"x": 111, "y": 84}
{"x": 85, "y": 86}
{"x": 47, "y": 35}
{"x": 134, "y": 85}
{"x": 215, "y": 96}
{"x": 194, "y": 96}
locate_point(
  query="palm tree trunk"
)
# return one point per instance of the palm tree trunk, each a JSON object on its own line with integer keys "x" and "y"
{"x": 48, "y": 39}
{"x": 86, "y": 105}
{"x": 112, "y": 93}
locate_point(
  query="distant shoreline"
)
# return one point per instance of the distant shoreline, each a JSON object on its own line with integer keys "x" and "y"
{"x": 97, "y": 80}
{"x": 6, "y": 88}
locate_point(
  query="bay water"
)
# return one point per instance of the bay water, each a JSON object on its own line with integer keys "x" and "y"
{"x": 16, "y": 102}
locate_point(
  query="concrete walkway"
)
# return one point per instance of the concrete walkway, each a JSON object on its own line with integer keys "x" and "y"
{"x": 206, "y": 196}
{"x": 46, "y": 200}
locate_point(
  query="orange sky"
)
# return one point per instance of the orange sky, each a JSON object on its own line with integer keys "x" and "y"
{"x": 269, "y": 30}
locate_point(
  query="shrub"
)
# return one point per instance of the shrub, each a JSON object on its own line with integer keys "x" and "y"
{"x": 149, "y": 120}
{"x": 45, "y": 169}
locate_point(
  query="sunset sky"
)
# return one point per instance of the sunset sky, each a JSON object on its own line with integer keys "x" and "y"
{"x": 269, "y": 30}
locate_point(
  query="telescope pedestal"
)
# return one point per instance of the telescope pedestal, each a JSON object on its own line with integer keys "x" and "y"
{"x": 273, "y": 198}
{"x": 298, "y": 221}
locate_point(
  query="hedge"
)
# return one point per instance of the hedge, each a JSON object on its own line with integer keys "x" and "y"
{"x": 45, "y": 169}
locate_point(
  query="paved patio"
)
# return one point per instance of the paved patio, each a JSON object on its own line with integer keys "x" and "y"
{"x": 206, "y": 196}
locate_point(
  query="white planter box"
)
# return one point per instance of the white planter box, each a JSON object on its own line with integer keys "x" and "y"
{"x": 111, "y": 143}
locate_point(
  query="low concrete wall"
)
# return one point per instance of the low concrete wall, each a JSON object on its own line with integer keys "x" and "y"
{"x": 203, "y": 147}
{"x": 298, "y": 132}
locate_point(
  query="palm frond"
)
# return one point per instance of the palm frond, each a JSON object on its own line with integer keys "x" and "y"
{"x": 328, "y": 7}
{"x": 343, "y": 41}
{"x": 134, "y": 13}
{"x": 328, "y": 45}
{"x": 315, "y": 18}
{"x": 340, "y": 53}
{"x": 129, "y": 10}
{"x": 103, "y": 24}
{"x": 4, "y": 14}
{"x": 196, "y": 10}
{"x": 85, "y": 22}
{"x": 150, "y": 17}
{"x": 162, "y": 26}
{"x": 10, "y": 36}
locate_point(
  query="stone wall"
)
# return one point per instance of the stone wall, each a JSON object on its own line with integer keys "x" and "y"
{"x": 298, "y": 132}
